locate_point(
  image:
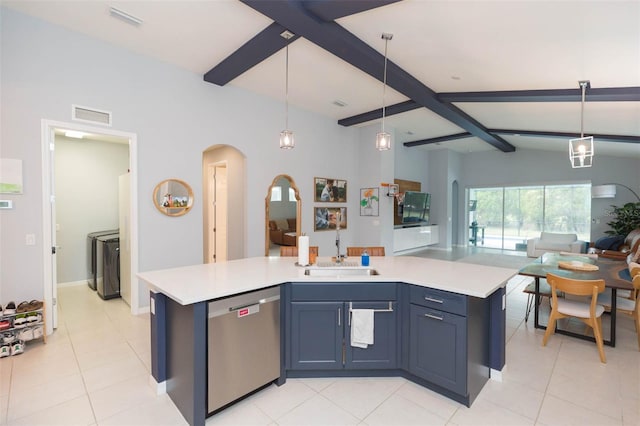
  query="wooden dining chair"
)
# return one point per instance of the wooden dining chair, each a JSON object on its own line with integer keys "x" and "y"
{"x": 589, "y": 313}
{"x": 292, "y": 251}
{"x": 626, "y": 300}
{"x": 372, "y": 250}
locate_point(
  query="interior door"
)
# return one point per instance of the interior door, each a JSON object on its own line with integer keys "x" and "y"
{"x": 220, "y": 209}
{"x": 54, "y": 229}
{"x": 124, "y": 195}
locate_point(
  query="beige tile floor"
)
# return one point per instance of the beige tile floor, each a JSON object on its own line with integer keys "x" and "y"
{"x": 94, "y": 370}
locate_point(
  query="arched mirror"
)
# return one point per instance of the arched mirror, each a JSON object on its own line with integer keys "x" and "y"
{"x": 282, "y": 214}
{"x": 173, "y": 197}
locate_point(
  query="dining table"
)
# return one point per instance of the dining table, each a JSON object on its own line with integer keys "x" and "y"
{"x": 615, "y": 274}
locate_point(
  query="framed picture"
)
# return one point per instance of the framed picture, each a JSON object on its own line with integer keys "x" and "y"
{"x": 10, "y": 176}
{"x": 330, "y": 190}
{"x": 328, "y": 218}
{"x": 369, "y": 202}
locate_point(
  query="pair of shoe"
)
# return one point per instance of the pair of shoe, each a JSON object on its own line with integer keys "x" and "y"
{"x": 25, "y": 306}
{"x": 10, "y": 309}
{"x": 8, "y": 337}
{"x": 17, "y": 347}
{"x": 20, "y": 321}
{"x": 5, "y": 324}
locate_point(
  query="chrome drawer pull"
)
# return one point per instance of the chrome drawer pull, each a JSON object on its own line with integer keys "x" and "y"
{"x": 429, "y": 299}
{"x": 339, "y": 315}
{"x": 433, "y": 317}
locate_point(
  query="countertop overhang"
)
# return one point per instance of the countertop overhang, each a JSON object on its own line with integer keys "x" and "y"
{"x": 198, "y": 283}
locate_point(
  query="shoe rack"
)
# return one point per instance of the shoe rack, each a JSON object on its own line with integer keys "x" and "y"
{"x": 18, "y": 328}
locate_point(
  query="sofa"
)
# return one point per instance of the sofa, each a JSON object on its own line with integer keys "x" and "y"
{"x": 283, "y": 231}
{"x": 554, "y": 242}
{"x": 619, "y": 249}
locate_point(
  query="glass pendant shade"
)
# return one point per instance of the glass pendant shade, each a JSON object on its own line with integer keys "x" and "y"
{"x": 383, "y": 141}
{"x": 581, "y": 152}
{"x": 286, "y": 139}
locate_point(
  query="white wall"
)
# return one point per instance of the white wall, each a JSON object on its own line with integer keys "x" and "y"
{"x": 86, "y": 181}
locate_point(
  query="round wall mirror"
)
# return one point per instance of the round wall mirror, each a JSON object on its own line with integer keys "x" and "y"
{"x": 282, "y": 215}
{"x": 173, "y": 197}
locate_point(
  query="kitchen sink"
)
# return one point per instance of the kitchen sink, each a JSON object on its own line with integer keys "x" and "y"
{"x": 339, "y": 271}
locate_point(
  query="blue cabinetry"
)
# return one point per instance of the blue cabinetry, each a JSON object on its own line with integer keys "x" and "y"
{"x": 316, "y": 332}
{"x": 449, "y": 341}
{"x": 319, "y": 326}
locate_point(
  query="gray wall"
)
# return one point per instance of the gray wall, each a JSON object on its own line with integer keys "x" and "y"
{"x": 530, "y": 167}
{"x": 175, "y": 115}
{"x": 86, "y": 180}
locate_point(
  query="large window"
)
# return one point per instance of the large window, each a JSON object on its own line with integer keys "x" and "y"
{"x": 508, "y": 216}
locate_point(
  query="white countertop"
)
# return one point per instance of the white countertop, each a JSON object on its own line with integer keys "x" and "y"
{"x": 198, "y": 283}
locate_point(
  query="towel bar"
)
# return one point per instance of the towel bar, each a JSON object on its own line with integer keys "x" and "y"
{"x": 389, "y": 309}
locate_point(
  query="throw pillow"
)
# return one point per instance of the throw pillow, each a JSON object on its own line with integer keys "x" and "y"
{"x": 282, "y": 224}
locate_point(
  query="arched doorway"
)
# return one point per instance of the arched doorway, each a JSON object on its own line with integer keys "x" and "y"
{"x": 223, "y": 182}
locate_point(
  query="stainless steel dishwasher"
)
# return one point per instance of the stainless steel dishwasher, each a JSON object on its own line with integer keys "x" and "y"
{"x": 243, "y": 345}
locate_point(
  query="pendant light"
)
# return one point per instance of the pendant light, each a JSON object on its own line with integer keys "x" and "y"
{"x": 383, "y": 139}
{"x": 286, "y": 136}
{"x": 581, "y": 149}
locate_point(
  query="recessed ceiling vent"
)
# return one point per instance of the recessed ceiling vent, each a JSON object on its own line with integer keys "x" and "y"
{"x": 90, "y": 115}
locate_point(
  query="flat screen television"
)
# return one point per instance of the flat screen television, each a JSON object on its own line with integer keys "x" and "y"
{"x": 416, "y": 207}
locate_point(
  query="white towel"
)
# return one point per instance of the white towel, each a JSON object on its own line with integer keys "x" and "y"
{"x": 361, "y": 328}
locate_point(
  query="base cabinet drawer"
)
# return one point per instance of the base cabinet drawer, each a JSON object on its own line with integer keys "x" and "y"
{"x": 438, "y": 348}
{"x": 439, "y": 299}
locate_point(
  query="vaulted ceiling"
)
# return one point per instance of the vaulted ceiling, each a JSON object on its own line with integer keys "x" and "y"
{"x": 462, "y": 75}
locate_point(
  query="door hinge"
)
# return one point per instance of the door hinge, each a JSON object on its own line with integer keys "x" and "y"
{"x": 54, "y": 301}
{"x": 53, "y": 250}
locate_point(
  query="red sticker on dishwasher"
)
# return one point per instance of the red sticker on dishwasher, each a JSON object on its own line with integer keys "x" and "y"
{"x": 243, "y": 312}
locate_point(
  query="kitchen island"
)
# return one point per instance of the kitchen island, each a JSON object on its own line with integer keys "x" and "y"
{"x": 465, "y": 301}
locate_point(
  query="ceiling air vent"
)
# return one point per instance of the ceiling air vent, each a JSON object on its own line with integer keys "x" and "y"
{"x": 90, "y": 115}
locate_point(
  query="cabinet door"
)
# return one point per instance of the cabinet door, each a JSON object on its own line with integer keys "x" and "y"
{"x": 316, "y": 335}
{"x": 383, "y": 353}
{"x": 438, "y": 348}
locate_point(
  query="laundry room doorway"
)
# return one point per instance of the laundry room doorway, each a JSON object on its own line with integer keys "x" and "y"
{"x": 84, "y": 168}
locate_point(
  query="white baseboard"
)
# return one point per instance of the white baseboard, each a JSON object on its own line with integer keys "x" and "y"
{"x": 159, "y": 388}
{"x": 497, "y": 374}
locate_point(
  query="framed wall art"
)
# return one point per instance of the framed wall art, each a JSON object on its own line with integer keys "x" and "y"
{"x": 330, "y": 190}
{"x": 369, "y": 202}
{"x": 328, "y": 218}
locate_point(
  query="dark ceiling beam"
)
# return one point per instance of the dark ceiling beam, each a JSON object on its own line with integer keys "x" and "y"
{"x": 530, "y": 133}
{"x": 263, "y": 45}
{"x": 340, "y": 42}
{"x": 438, "y": 139}
{"x": 609, "y": 94}
{"x": 269, "y": 41}
{"x": 331, "y": 10}
{"x": 568, "y": 135}
{"x": 606, "y": 94}
{"x": 377, "y": 113}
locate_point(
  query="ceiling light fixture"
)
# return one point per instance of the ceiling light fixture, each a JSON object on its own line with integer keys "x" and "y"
{"x": 383, "y": 139}
{"x": 286, "y": 136}
{"x": 120, "y": 14}
{"x": 74, "y": 134}
{"x": 581, "y": 149}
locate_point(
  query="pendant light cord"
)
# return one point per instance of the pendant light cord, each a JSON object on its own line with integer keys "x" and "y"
{"x": 384, "y": 83}
{"x": 584, "y": 87}
{"x": 286, "y": 90}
